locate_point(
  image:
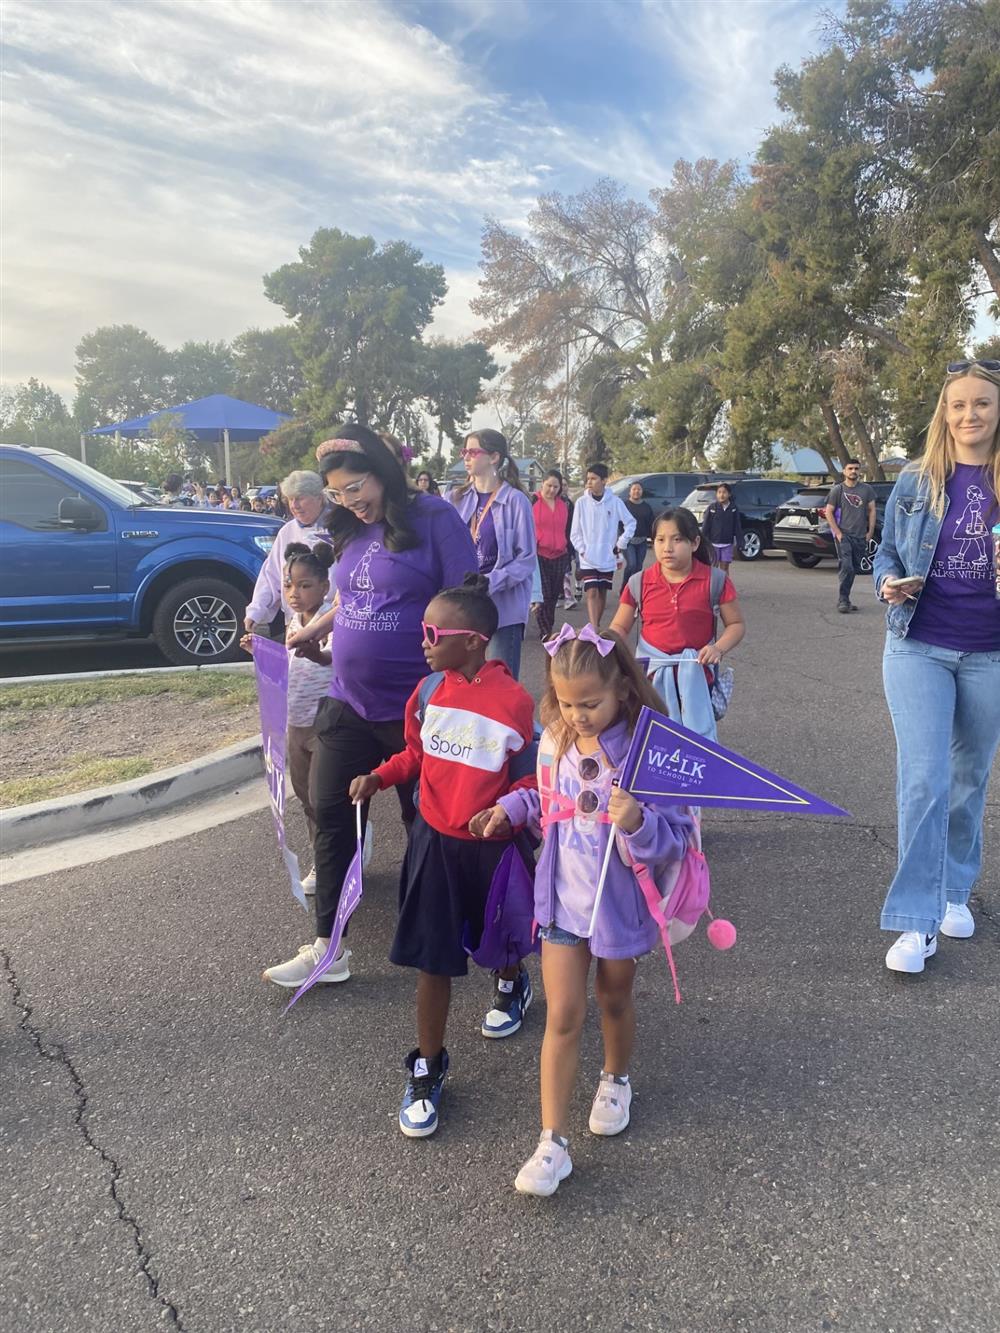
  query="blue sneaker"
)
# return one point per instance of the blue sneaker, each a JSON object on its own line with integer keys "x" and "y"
{"x": 510, "y": 1003}
{"x": 418, "y": 1115}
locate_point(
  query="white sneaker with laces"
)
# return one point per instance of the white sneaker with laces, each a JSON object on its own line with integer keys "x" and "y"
{"x": 309, "y": 883}
{"x": 292, "y": 974}
{"x": 958, "y": 923}
{"x": 610, "y": 1111}
{"x": 911, "y": 951}
{"x": 547, "y": 1166}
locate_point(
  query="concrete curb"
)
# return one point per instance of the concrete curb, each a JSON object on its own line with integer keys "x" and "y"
{"x": 66, "y": 816}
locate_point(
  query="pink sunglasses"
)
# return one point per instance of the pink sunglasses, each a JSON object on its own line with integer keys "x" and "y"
{"x": 432, "y": 634}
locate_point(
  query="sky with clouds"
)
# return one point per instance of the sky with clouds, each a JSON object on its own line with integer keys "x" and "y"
{"x": 159, "y": 156}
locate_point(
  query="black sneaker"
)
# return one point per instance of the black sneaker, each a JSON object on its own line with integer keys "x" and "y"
{"x": 418, "y": 1115}
{"x": 511, "y": 1000}
{"x": 844, "y": 608}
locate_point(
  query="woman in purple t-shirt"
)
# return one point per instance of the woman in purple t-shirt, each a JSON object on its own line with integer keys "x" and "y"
{"x": 395, "y": 549}
{"x": 935, "y": 569}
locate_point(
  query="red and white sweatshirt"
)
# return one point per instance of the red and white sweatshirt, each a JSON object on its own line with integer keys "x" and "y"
{"x": 463, "y": 747}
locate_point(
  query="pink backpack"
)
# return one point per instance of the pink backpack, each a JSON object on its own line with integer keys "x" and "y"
{"x": 676, "y": 905}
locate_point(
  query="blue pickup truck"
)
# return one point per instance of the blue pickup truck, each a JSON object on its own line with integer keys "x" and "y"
{"x": 82, "y": 557}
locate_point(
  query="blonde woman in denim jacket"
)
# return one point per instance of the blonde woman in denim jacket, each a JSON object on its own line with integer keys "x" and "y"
{"x": 935, "y": 570}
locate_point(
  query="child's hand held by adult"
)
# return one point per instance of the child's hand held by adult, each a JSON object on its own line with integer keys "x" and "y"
{"x": 489, "y": 823}
{"x": 364, "y": 788}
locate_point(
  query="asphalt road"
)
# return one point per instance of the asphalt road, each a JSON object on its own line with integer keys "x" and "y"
{"x": 813, "y": 1142}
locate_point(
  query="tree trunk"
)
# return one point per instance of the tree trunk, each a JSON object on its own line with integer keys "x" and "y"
{"x": 867, "y": 449}
{"x": 833, "y": 430}
{"x": 987, "y": 256}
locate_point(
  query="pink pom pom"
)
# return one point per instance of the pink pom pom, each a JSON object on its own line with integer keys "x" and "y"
{"x": 721, "y": 934}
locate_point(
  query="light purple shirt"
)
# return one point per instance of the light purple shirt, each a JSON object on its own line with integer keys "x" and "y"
{"x": 514, "y": 525}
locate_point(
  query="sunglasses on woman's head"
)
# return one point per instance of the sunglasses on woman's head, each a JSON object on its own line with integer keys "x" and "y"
{"x": 432, "y": 634}
{"x": 956, "y": 367}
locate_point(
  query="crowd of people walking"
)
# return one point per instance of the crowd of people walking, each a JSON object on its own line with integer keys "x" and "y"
{"x": 406, "y": 612}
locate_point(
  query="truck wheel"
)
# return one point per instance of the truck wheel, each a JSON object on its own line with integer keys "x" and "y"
{"x": 200, "y": 621}
{"x": 752, "y": 545}
{"x": 801, "y": 560}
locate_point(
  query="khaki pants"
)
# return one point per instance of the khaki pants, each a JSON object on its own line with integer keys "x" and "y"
{"x": 300, "y": 745}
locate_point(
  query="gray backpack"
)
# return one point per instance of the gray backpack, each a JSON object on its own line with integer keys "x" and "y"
{"x": 721, "y": 690}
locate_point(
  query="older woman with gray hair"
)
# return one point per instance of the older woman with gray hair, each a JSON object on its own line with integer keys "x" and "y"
{"x": 306, "y": 498}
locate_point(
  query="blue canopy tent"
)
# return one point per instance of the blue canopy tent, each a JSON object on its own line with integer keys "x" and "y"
{"x": 218, "y": 418}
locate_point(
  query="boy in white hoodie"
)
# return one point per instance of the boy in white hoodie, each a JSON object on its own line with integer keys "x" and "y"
{"x": 597, "y": 517}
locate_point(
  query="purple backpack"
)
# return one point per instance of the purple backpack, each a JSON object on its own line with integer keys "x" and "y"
{"x": 508, "y": 920}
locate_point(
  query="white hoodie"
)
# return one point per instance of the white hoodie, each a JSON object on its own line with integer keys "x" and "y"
{"x": 595, "y": 530}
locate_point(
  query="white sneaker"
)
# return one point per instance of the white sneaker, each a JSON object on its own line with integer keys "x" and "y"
{"x": 309, "y": 883}
{"x": 292, "y": 974}
{"x": 911, "y": 951}
{"x": 610, "y": 1111}
{"x": 958, "y": 923}
{"x": 545, "y": 1168}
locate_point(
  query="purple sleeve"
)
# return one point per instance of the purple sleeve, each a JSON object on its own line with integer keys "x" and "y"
{"x": 453, "y": 546}
{"x": 662, "y": 836}
{"x": 523, "y": 806}
{"x": 521, "y": 566}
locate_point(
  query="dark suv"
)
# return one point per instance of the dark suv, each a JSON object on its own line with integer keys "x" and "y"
{"x": 757, "y": 499}
{"x": 664, "y": 490}
{"x": 802, "y": 532}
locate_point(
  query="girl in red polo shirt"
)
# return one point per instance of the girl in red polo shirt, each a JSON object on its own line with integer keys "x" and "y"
{"x": 676, "y": 603}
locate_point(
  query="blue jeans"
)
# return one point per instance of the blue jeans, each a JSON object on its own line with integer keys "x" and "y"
{"x": 945, "y": 709}
{"x": 635, "y": 558}
{"x": 505, "y": 646}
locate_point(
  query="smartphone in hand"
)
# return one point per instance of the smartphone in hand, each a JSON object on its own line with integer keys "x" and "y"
{"x": 908, "y": 586}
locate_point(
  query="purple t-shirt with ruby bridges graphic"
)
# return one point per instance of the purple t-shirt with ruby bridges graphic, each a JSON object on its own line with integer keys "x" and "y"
{"x": 957, "y": 607}
{"x": 377, "y": 657}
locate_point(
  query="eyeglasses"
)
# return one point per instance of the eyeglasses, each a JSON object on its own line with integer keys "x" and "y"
{"x": 589, "y": 769}
{"x": 956, "y": 367}
{"x": 349, "y": 492}
{"x": 472, "y": 453}
{"x": 432, "y": 634}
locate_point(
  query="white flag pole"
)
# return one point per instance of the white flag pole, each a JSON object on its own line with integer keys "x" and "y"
{"x": 357, "y": 812}
{"x": 612, "y": 834}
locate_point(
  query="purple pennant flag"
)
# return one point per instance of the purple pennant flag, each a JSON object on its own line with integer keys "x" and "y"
{"x": 668, "y": 764}
{"x": 350, "y": 896}
{"x": 270, "y": 661}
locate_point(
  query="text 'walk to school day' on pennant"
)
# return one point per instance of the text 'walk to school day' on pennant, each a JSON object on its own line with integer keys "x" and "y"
{"x": 270, "y": 661}
{"x": 668, "y": 764}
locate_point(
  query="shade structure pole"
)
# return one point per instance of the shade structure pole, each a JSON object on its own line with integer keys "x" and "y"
{"x": 225, "y": 444}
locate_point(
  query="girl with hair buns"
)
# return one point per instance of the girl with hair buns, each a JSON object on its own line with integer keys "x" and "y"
{"x": 394, "y": 549}
{"x": 501, "y": 523}
{"x": 937, "y": 571}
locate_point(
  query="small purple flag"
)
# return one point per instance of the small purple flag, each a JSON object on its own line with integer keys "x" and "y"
{"x": 668, "y": 764}
{"x": 350, "y": 896}
{"x": 270, "y": 661}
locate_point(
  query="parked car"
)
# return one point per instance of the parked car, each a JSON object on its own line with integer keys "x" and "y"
{"x": 802, "y": 532}
{"x": 86, "y": 558}
{"x": 757, "y": 499}
{"x": 663, "y": 490}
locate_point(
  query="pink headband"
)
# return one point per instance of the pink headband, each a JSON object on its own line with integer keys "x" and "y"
{"x": 337, "y": 447}
{"x": 587, "y": 635}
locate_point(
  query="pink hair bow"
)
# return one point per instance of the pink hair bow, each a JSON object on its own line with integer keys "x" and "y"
{"x": 588, "y": 635}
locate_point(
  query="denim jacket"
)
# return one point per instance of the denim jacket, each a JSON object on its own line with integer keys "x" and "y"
{"x": 514, "y": 522}
{"x": 910, "y": 532}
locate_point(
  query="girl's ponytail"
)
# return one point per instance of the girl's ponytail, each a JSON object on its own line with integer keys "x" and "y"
{"x": 492, "y": 442}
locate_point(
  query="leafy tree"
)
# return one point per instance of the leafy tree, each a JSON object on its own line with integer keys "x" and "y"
{"x": 360, "y": 310}
{"x": 200, "y": 369}
{"x": 33, "y": 413}
{"x": 291, "y": 446}
{"x": 121, "y": 372}
{"x": 449, "y": 382}
{"x": 268, "y": 369}
{"x": 151, "y": 458}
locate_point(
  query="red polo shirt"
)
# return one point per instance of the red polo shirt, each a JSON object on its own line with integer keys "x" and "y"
{"x": 676, "y": 616}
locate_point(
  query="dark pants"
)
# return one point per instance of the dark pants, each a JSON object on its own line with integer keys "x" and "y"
{"x": 850, "y": 551}
{"x": 551, "y": 574}
{"x": 346, "y": 747}
{"x": 635, "y": 558}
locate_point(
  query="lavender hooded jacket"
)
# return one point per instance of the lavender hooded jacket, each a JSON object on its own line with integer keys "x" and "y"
{"x": 624, "y": 928}
{"x": 514, "y": 521}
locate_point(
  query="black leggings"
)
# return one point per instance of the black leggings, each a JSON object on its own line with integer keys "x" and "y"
{"x": 346, "y": 748}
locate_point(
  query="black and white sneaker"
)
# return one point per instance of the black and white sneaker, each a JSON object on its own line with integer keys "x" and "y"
{"x": 418, "y": 1115}
{"x": 911, "y": 951}
{"x": 511, "y": 1000}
